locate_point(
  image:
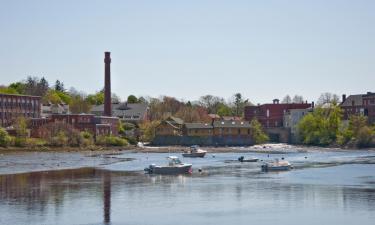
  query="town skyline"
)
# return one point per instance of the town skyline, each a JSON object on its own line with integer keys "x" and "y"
{"x": 188, "y": 50}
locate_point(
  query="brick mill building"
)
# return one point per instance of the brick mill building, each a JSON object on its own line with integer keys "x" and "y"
{"x": 272, "y": 115}
{"x": 14, "y": 106}
{"x": 360, "y": 104}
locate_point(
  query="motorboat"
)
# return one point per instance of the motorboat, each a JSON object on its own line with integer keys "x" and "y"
{"x": 277, "y": 165}
{"x": 243, "y": 159}
{"x": 175, "y": 166}
{"x": 195, "y": 152}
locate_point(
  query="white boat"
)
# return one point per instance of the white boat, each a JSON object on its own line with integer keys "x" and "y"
{"x": 175, "y": 166}
{"x": 195, "y": 152}
{"x": 243, "y": 159}
{"x": 277, "y": 166}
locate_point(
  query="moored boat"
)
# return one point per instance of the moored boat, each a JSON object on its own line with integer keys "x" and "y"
{"x": 277, "y": 166}
{"x": 175, "y": 166}
{"x": 195, "y": 152}
{"x": 243, "y": 159}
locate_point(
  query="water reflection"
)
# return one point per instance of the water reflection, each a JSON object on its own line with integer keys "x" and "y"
{"x": 92, "y": 196}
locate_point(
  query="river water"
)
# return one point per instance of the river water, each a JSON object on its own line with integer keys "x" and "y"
{"x": 325, "y": 187}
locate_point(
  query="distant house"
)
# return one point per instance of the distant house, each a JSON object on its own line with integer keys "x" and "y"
{"x": 49, "y": 108}
{"x": 198, "y": 129}
{"x": 231, "y": 128}
{"x": 272, "y": 115}
{"x": 128, "y": 112}
{"x": 173, "y": 131}
{"x": 172, "y": 126}
{"x": 359, "y": 104}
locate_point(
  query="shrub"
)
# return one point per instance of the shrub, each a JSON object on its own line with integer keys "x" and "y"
{"x": 257, "y": 132}
{"x": 86, "y": 139}
{"x": 20, "y": 141}
{"x": 35, "y": 142}
{"x": 59, "y": 140}
{"x": 5, "y": 139}
{"x": 111, "y": 141}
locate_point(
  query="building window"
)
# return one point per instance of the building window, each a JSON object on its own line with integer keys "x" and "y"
{"x": 268, "y": 113}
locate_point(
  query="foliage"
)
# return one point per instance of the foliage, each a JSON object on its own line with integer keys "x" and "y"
{"x": 8, "y": 90}
{"x": 321, "y": 127}
{"x": 192, "y": 114}
{"x": 20, "y": 141}
{"x": 86, "y": 139}
{"x": 148, "y": 130}
{"x": 79, "y": 104}
{"x": 257, "y": 132}
{"x": 357, "y": 133}
{"x": 224, "y": 110}
{"x": 19, "y": 87}
{"x": 59, "y": 86}
{"x": 239, "y": 104}
{"x": 20, "y": 126}
{"x": 36, "y": 86}
{"x": 211, "y": 103}
{"x": 132, "y": 99}
{"x": 35, "y": 142}
{"x": 52, "y": 97}
{"x": 111, "y": 141}
{"x": 96, "y": 99}
{"x": 5, "y": 139}
{"x": 60, "y": 140}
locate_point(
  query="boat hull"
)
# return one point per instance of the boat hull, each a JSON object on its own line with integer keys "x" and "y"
{"x": 276, "y": 168}
{"x": 194, "y": 155}
{"x": 186, "y": 169}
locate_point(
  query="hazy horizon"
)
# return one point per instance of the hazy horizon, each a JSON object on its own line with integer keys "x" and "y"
{"x": 264, "y": 50}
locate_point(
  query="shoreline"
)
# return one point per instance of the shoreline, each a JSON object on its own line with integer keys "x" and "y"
{"x": 274, "y": 148}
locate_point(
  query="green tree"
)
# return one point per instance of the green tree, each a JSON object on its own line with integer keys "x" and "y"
{"x": 19, "y": 87}
{"x": 358, "y": 132}
{"x": 224, "y": 110}
{"x": 321, "y": 127}
{"x": 148, "y": 130}
{"x": 96, "y": 99}
{"x": 59, "y": 86}
{"x": 8, "y": 90}
{"x": 52, "y": 97}
{"x": 79, "y": 104}
{"x": 132, "y": 99}
{"x": 5, "y": 139}
{"x": 257, "y": 133}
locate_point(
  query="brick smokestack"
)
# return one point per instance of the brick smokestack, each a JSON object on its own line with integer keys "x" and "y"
{"x": 107, "y": 85}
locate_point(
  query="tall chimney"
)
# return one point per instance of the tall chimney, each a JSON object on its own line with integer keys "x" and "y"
{"x": 343, "y": 98}
{"x": 107, "y": 85}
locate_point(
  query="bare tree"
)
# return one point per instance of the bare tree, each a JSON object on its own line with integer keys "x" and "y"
{"x": 287, "y": 99}
{"x": 211, "y": 103}
{"x": 329, "y": 98}
{"x": 298, "y": 99}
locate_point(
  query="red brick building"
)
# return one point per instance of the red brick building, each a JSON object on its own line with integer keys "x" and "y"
{"x": 96, "y": 125}
{"x": 14, "y": 106}
{"x": 361, "y": 104}
{"x": 271, "y": 115}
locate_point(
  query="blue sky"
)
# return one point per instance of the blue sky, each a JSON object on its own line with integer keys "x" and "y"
{"x": 262, "y": 49}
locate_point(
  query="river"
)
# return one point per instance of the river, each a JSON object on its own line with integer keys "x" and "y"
{"x": 325, "y": 187}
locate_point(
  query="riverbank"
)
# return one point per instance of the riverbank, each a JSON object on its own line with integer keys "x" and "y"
{"x": 277, "y": 148}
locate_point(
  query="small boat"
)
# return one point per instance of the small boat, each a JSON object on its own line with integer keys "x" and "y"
{"x": 243, "y": 159}
{"x": 195, "y": 152}
{"x": 277, "y": 166}
{"x": 175, "y": 166}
